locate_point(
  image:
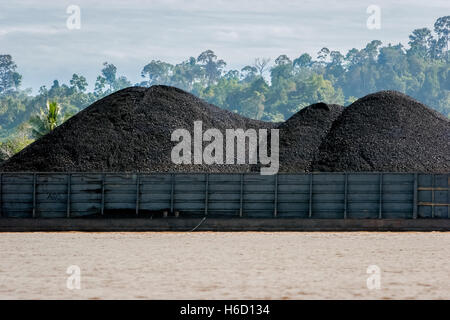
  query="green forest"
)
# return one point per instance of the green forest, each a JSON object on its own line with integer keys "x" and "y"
{"x": 266, "y": 89}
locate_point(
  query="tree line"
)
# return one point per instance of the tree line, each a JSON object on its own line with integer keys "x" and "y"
{"x": 266, "y": 89}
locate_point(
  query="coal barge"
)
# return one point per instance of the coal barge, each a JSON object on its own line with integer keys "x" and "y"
{"x": 224, "y": 202}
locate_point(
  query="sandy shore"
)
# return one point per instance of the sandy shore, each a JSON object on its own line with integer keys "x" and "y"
{"x": 247, "y": 265}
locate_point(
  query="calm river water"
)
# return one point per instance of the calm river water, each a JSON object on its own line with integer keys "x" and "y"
{"x": 207, "y": 265}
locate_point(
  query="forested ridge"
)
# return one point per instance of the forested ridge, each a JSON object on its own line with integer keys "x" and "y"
{"x": 266, "y": 89}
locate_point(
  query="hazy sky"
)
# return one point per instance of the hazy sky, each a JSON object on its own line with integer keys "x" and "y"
{"x": 131, "y": 33}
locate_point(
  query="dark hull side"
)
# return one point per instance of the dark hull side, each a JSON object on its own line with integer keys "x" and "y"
{"x": 216, "y": 224}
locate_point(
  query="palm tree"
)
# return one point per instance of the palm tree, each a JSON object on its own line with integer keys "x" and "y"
{"x": 47, "y": 120}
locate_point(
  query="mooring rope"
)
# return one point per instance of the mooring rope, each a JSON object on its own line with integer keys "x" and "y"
{"x": 198, "y": 224}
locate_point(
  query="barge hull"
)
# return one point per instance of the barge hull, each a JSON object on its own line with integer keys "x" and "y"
{"x": 215, "y": 224}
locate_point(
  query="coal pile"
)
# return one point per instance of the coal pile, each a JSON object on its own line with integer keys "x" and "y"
{"x": 302, "y": 134}
{"x": 129, "y": 130}
{"x": 387, "y": 131}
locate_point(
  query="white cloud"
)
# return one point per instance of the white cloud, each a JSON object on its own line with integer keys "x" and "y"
{"x": 30, "y": 30}
{"x": 223, "y": 35}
